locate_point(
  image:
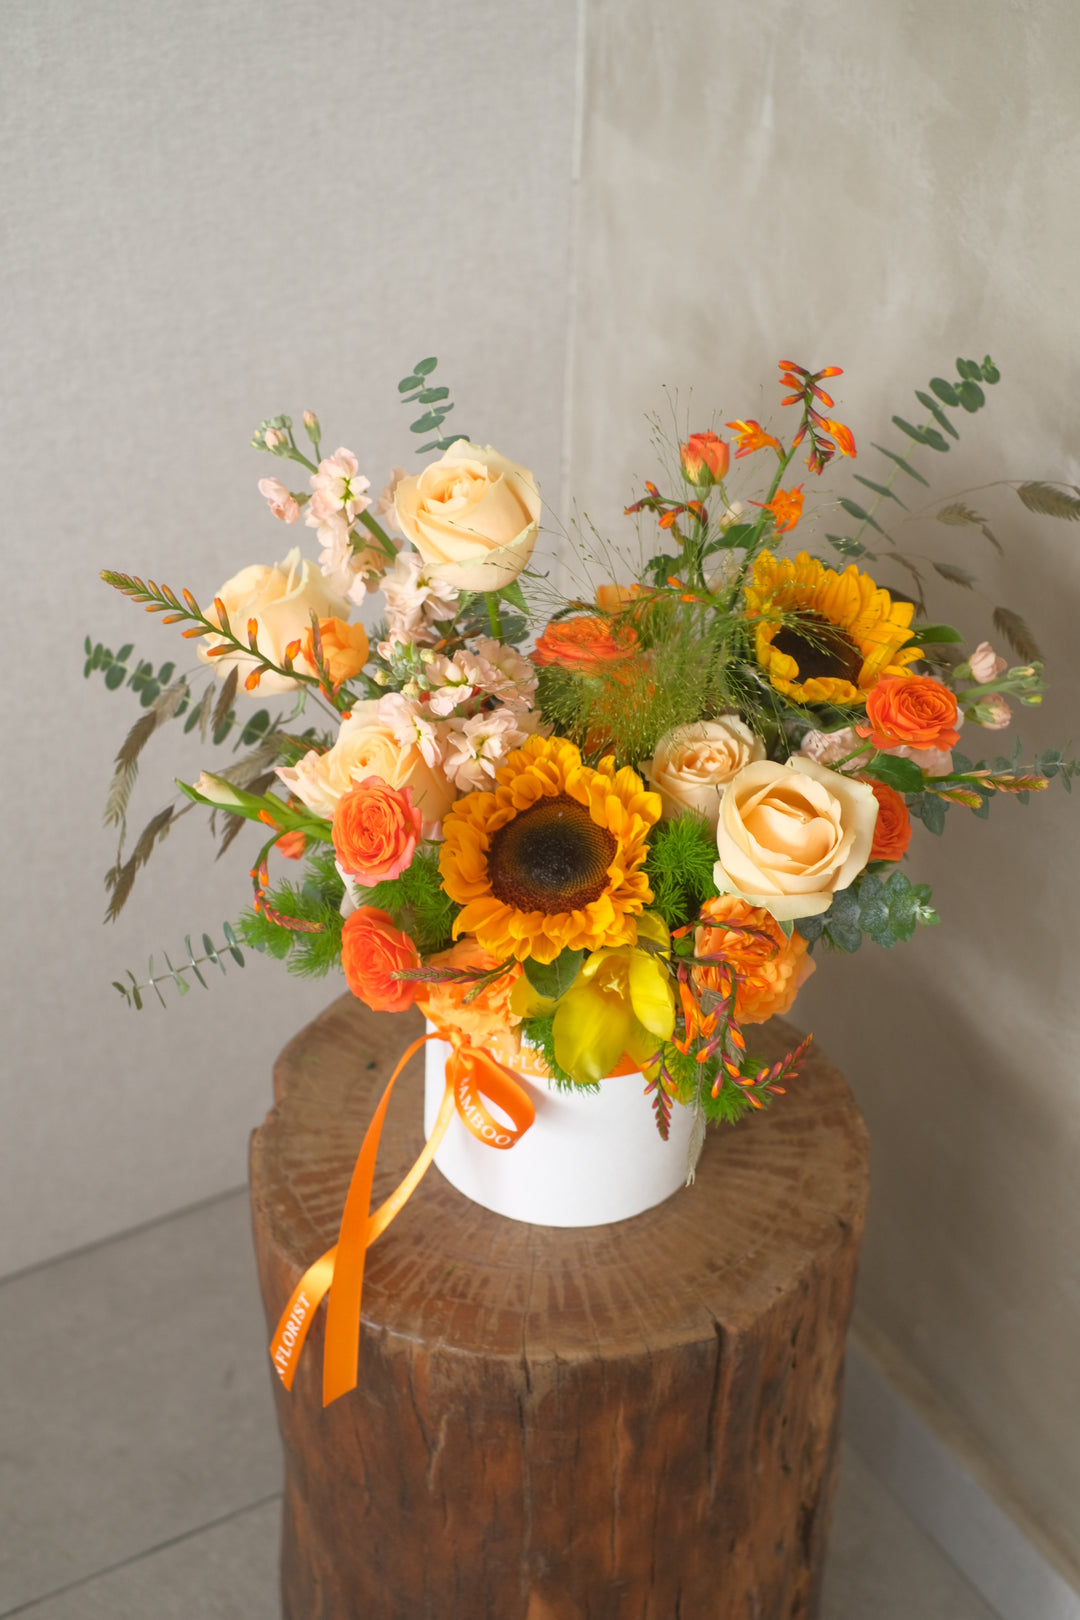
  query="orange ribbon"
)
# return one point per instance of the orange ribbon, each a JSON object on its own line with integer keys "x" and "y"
{"x": 469, "y": 1072}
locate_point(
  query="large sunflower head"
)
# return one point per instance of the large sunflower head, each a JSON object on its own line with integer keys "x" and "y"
{"x": 551, "y": 860}
{"x": 824, "y": 637}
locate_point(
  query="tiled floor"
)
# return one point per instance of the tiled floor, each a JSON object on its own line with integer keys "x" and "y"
{"x": 139, "y": 1468}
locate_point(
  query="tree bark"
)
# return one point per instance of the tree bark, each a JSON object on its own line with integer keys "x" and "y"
{"x": 629, "y": 1422}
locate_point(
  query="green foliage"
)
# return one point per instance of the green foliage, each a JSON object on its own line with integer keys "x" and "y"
{"x": 694, "y": 1083}
{"x": 117, "y": 670}
{"x": 418, "y": 903}
{"x": 682, "y": 854}
{"x": 902, "y": 774}
{"x": 540, "y": 1033}
{"x": 417, "y": 389}
{"x": 553, "y": 979}
{"x": 885, "y": 912}
{"x": 315, "y": 901}
{"x": 931, "y": 810}
{"x": 132, "y": 992}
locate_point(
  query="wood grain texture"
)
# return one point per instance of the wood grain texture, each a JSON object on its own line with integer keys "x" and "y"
{"x": 630, "y": 1422}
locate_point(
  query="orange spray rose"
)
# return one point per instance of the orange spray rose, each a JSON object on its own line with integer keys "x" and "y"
{"x": 376, "y": 830}
{"x": 892, "y": 830}
{"x": 705, "y": 459}
{"x": 371, "y": 950}
{"x": 911, "y": 711}
{"x": 585, "y": 645}
{"x": 485, "y": 1017}
{"x": 771, "y": 969}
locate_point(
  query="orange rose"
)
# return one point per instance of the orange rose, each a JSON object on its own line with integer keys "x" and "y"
{"x": 770, "y": 970}
{"x": 910, "y": 711}
{"x": 484, "y": 1018}
{"x": 705, "y": 459}
{"x": 371, "y": 950}
{"x": 345, "y": 648}
{"x": 585, "y": 644}
{"x": 376, "y": 830}
{"x": 892, "y": 830}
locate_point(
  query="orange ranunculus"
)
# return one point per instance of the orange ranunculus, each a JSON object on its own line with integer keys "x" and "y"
{"x": 371, "y": 950}
{"x": 345, "y": 648}
{"x": 485, "y": 1017}
{"x": 752, "y": 436}
{"x": 585, "y": 645}
{"x": 613, "y": 598}
{"x": 376, "y": 830}
{"x": 786, "y": 507}
{"x": 705, "y": 459}
{"x": 914, "y": 712}
{"x": 892, "y": 830}
{"x": 770, "y": 970}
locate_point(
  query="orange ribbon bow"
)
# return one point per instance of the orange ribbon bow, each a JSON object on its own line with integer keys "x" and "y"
{"x": 469, "y": 1073}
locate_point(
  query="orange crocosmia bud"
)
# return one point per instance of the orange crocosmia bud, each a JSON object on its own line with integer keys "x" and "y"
{"x": 752, "y": 436}
{"x": 705, "y": 459}
{"x": 845, "y": 439}
{"x": 786, "y": 507}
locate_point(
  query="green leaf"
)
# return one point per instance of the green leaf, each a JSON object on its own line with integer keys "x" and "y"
{"x": 970, "y": 370}
{"x": 931, "y": 811}
{"x": 255, "y": 728}
{"x": 902, "y": 774}
{"x": 553, "y": 979}
{"x": 431, "y": 395}
{"x": 936, "y": 632}
{"x": 114, "y": 676}
{"x": 934, "y": 439}
{"x": 918, "y": 434}
{"x": 424, "y": 368}
{"x": 879, "y": 489}
{"x": 124, "y": 654}
{"x": 990, "y": 372}
{"x": 846, "y": 935}
{"x": 407, "y": 384}
{"x": 972, "y": 397}
{"x": 426, "y": 424}
{"x": 234, "y": 949}
{"x": 900, "y": 462}
{"x": 936, "y": 412}
{"x": 945, "y": 391}
{"x": 850, "y": 548}
{"x": 853, "y": 509}
{"x": 514, "y": 594}
{"x": 1041, "y": 498}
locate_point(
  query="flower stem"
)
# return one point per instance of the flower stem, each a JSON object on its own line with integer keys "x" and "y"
{"x": 492, "y": 600}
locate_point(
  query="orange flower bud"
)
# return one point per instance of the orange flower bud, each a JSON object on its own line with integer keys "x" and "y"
{"x": 705, "y": 459}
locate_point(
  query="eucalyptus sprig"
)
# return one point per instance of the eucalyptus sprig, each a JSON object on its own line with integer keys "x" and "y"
{"x": 134, "y": 990}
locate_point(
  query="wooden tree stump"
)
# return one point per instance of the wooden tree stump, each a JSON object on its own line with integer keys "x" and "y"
{"x": 629, "y": 1422}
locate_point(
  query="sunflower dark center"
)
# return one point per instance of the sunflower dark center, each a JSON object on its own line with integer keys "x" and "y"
{"x": 552, "y": 857}
{"x": 820, "y": 648}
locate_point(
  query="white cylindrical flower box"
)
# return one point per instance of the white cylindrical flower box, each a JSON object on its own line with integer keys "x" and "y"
{"x": 588, "y": 1159}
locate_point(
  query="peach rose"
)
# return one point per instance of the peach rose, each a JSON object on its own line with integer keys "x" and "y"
{"x": 705, "y": 459}
{"x": 345, "y": 649}
{"x": 367, "y": 746}
{"x": 892, "y": 830}
{"x": 771, "y": 970}
{"x": 376, "y": 831}
{"x": 789, "y": 836}
{"x": 693, "y": 762}
{"x": 484, "y": 1019}
{"x": 372, "y": 949}
{"x": 281, "y": 599}
{"x": 584, "y": 644}
{"x": 472, "y": 515}
{"x": 913, "y": 711}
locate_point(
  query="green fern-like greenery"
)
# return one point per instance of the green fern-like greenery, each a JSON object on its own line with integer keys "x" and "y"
{"x": 694, "y": 1083}
{"x": 418, "y": 903}
{"x": 682, "y": 854}
{"x": 540, "y": 1032}
{"x": 315, "y": 900}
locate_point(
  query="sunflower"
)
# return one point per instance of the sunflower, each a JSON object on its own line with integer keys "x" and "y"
{"x": 823, "y": 637}
{"x": 551, "y": 859}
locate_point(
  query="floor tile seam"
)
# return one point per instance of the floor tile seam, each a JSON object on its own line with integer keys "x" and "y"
{"x": 121, "y": 1236}
{"x": 140, "y": 1557}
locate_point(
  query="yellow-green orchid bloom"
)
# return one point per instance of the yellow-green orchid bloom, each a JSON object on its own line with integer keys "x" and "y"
{"x": 622, "y": 1001}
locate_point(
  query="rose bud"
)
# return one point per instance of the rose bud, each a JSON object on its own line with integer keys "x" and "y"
{"x": 705, "y": 459}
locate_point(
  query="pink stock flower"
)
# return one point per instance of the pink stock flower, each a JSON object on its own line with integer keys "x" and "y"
{"x": 411, "y": 728}
{"x": 993, "y": 714}
{"x": 829, "y": 747}
{"x": 985, "y": 664}
{"x": 283, "y": 505}
{"x": 477, "y": 748}
{"x": 384, "y": 506}
{"x": 336, "y": 487}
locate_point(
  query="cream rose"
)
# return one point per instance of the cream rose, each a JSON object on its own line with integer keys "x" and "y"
{"x": 693, "y": 762}
{"x": 790, "y": 836}
{"x": 472, "y": 515}
{"x": 366, "y": 746}
{"x": 282, "y": 598}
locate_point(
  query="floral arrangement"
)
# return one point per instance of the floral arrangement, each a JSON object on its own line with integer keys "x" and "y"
{"x": 611, "y": 828}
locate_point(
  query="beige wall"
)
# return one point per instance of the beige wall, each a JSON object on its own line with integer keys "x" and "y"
{"x": 884, "y": 187}
{"x": 214, "y": 211}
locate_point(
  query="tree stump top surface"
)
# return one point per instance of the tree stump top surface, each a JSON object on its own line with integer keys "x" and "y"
{"x": 774, "y": 1198}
